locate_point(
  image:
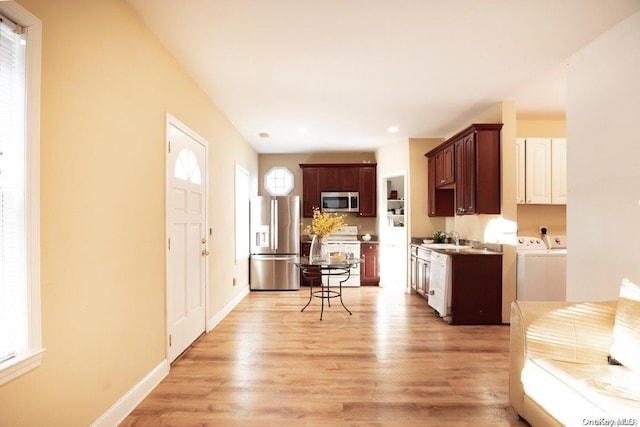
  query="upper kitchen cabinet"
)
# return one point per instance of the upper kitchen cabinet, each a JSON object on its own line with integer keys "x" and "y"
{"x": 558, "y": 171}
{"x": 367, "y": 189}
{"x": 440, "y": 200}
{"x": 542, "y": 170}
{"x": 310, "y": 190}
{"x": 476, "y": 171}
{"x": 351, "y": 177}
{"x": 339, "y": 178}
{"x": 444, "y": 166}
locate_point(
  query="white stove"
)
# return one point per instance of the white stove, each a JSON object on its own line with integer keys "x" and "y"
{"x": 345, "y": 240}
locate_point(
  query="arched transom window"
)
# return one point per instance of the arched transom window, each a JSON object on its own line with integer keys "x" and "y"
{"x": 187, "y": 167}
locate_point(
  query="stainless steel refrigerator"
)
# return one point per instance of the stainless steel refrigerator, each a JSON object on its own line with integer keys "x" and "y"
{"x": 275, "y": 240}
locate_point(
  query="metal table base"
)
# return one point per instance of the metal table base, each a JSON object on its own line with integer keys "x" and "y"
{"x": 325, "y": 293}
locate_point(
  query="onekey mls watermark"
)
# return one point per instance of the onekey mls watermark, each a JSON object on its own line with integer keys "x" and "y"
{"x": 610, "y": 422}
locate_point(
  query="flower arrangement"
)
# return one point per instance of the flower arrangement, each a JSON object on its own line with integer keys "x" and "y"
{"x": 324, "y": 223}
{"x": 439, "y": 236}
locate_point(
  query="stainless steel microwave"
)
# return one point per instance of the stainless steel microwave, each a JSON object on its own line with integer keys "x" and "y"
{"x": 339, "y": 201}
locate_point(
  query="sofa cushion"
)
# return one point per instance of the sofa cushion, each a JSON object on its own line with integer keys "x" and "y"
{"x": 572, "y": 392}
{"x": 626, "y": 331}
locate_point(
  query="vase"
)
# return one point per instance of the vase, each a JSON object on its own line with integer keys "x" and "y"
{"x": 315, "y": 252}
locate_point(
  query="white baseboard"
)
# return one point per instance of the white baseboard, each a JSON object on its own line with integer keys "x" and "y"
{"x": 213, "y": 322}
{"x": 132, "y": 398}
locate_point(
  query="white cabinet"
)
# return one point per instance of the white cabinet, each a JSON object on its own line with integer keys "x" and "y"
{"x": 520, "y": 170}
{"x": 559, "y": 171}
{"x": 542, "y": 173}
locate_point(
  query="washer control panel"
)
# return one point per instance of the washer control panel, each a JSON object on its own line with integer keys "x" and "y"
{"x": 530, "y": 243}
{"x": 555, "y": 242}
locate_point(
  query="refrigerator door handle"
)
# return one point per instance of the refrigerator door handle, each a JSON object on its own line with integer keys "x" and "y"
{"x": 274, "y": 258}
{"x": 274, "y": 224}
{"x": 271, "y": 231}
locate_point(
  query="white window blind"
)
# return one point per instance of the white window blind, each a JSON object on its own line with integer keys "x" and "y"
{"x": 13, "y": 160}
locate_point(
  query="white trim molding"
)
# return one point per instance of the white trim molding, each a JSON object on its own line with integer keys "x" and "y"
{"x": 33, "y": 26}
{"x": 132, "y": 398}
{"x": 213, "y": 322}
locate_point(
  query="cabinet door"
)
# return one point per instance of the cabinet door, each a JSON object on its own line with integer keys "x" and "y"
{"x": 465, "y": 175}
{"x": 424, "y": 283}
{"x": 369, "y": 269}
{"x": 310, "y": 190}
{"x": 520, "y": 171}
{"x": 313, "y": 276}
{"x": 440, "y": 200}
{"x": 444, "y": 166}
{"x": 476, "y": 290}
{"x": 538, "y": 170}
{"x": 559, "y": 171}
{"x": 367, "y": 190}
{"x": 414, "y": 282}
{"x": 338, "y": 178}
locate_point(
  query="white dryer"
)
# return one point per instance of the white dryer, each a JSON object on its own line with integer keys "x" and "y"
{"x": 541, "y": 269}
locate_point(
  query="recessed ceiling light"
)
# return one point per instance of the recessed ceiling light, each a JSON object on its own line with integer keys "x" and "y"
{"x": 303, "y": 130}
{"x": 263, "y": 134}
{"x": 393, "y": 129}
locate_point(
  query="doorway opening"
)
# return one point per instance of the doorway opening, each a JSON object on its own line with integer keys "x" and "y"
{"x": 394, "y": 237}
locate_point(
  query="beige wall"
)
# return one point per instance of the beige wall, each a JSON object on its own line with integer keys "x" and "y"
{"x": 603, "y": 211}
{"x": 541, "y": 128}
{"x": 292, "y": 162}
{"x": 421, "y": 224}
{"x": 531, "y": 217}
{"x": 106, "y": 86}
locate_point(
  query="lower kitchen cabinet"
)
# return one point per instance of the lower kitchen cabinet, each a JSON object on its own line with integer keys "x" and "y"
{"x": 420, "y": 266}
{"x": 476, "y": 289}
{"x": 370, "y": 268}
{"x": 311, "y": 277}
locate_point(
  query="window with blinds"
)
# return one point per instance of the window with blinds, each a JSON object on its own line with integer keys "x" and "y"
{"x": 13, "y": 297}
{"x": 20, "y": 318}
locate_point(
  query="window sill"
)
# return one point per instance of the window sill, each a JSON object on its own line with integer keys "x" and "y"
{"x": 17, "y": 366}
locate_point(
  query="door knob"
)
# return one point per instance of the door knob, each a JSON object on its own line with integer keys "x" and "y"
{"x": 205, "y": 252}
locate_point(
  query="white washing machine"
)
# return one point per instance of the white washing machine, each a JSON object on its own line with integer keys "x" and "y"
{"x": 541, "y": 268}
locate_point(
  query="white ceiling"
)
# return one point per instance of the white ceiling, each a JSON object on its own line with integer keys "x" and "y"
{"x": 348, "y": 69}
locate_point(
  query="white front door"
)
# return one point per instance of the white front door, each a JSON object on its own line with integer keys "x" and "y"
{"x": 186, "y": 238}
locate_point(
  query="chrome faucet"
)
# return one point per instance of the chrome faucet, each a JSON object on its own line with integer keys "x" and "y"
{"x": 456, "y": 237}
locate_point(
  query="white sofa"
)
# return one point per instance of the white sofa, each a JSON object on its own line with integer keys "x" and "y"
{"x": 559, "y": 368}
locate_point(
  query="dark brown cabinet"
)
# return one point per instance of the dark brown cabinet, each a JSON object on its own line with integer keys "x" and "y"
{"x": 370, "y": 268}
{"x": 313, "y": 275}
{"x": 339, "y": 179}
{"x": 476, "y": 172}
{"x": 367, "y": 191}
{"x": 317, "y": 178}
{"x": 465, "y": 175}
{"x": 440, "y": 200}
{"x": 476, "y": 290}
{"x": 444, "y": 166}
{"x": 310, "y": 190}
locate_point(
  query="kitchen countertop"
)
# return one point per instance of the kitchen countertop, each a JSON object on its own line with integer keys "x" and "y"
{"x": 450, "y": 249}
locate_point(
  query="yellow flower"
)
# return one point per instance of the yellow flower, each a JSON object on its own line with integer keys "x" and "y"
{"x": 324, "y": 223}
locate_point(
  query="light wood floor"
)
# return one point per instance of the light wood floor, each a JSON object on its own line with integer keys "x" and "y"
{"x": 392, "y": 363}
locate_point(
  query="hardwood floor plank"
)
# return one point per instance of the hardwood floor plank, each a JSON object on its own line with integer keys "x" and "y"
{"x": 392, "y": 363}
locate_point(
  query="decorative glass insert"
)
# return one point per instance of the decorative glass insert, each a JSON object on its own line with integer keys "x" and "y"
{"x": 278, "y": 181}
{"x": 187, "y": 167}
